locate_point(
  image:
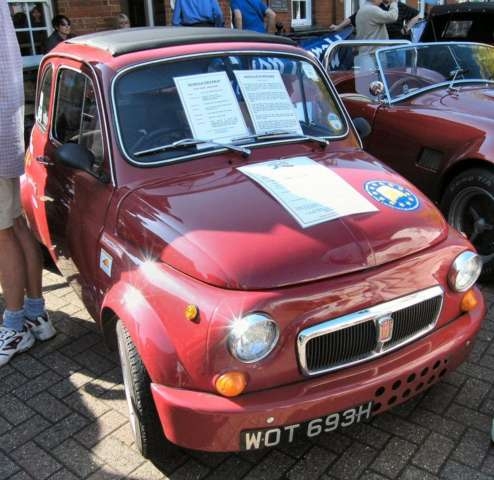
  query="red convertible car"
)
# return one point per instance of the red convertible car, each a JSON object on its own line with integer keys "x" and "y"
{"x": 264, "y": 278}
{"x": 431, "y": 111}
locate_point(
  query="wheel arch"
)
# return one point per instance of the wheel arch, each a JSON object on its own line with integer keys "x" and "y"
{"x": 146, "y": 329}
{"x": 460, "y": 167}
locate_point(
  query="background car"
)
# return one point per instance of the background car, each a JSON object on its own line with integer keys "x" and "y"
{"x": 263, "y": 277}
{"x": 464, "y": 22}
{"x": 430, "y": 110}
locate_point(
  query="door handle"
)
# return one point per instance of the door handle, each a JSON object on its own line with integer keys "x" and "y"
{"x": 46, "y": 198}
{"x": 44, "y": 160}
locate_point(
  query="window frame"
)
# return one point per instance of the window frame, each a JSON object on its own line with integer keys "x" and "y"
{"x": 307, "y": 20}
{"x": 34, "y": 59}
{"x": 48, "y": 70}
{"x": 87, "y": 80}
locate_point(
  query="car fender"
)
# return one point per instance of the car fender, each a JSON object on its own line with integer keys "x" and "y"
{"x": 147, "y": 332}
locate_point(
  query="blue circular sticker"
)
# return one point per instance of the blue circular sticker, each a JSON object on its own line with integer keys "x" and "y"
{"x": 392, "y": 195}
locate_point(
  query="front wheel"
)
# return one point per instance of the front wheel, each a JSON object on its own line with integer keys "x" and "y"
{"x": 468, "y": 205}
{"x": 143, "y": 416}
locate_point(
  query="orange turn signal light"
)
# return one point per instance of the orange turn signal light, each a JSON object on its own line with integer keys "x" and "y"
{"x": 469, "y": 301}
{"x": 231, "y": 384}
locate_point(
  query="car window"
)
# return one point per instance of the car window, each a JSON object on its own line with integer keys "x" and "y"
{"x": 222, "y": 98}
{"x": 76, "y": 116}
{"x": 44, "y": 98}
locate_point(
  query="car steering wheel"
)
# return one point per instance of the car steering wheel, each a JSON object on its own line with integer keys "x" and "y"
{"x": 396, "y": 89}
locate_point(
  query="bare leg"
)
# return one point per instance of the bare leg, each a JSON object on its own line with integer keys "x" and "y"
{"x": 33, "y": 259}
{"x": 12, "y": 270}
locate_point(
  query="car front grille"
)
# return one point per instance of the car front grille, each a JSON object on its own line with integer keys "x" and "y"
{"x": 357, "y": 337}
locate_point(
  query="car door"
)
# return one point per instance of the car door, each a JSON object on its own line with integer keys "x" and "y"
{"x": 73, "y": 202}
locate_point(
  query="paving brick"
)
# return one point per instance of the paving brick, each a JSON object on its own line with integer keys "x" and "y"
{"x": 100, "y": 428}
{"x": 28, "y": 366}
{"x": 36, "y": 461}
{"x": 414, "y": 473}
{"x": 7, "y": 467}
{"x": 433, "y": 453}
{"x": 472, "y": 448}
{"x": 81, "y": 344}
{"x": 70, "y": 384}
{"x": 353, "y": 462}
{"x": 36, "y": 385}
{"x": 64, "y": 474}
{"x": 439, "y": 424}
{"x": 147, "y": 471}
{"x": 272, "y": 467}
{"x": 11, "y": 382}
{"x": 473, "y": 393}
{"x": 400, "y": 427}
{"x": 438, "y": 398}
{"x": 4, "y": 426}
{"x": 48, "y": 406}
{"x": 191, "y": 470}
{"x": 477, "y": 371}
{"x": 23, "y": 433}
{"x": 86, "y": 404}
{"x": 61, "y": 430}
{"x": 312, "y": 464}
{"x": 14, "y": 410}
{"x": 6, "y": 370}
{"x": 456, "y": 471}
{"x": 488, "y": 465}
{"x": 233, "y": 468}
{"x": 77, "y": 459}
{"x": 394, "y": 457}
{"x": 121, "y": 458}
{"x": 369, "y": 435}
{"x": 61, "y": 364}
{"x": 95, "y": 363}
{"x": 335, "y": 442}
{"x": 22, "y": 475}
{"x": 469, "y": 417}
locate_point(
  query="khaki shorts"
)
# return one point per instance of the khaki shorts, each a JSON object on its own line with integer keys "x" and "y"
{"x": 10, "y": 202}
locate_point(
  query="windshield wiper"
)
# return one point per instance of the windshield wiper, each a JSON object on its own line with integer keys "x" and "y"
{"x": 192, "y": 142}
{"x": 282, "y": 134}
{"x": 453, "y": 74}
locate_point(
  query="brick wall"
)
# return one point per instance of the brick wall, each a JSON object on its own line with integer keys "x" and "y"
{"x": 89, "y": 15}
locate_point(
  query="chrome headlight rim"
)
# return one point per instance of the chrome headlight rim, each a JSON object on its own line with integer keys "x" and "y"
{"x": 462, "y": 263}
{"x": 249, "y": 320}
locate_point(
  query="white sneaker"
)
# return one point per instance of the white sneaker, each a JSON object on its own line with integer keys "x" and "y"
{"x": 12, "y": 342}
{"x": 41, "y": 327}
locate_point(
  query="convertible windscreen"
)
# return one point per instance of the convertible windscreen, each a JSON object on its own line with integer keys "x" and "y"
{"x": 406, "y": 70}
{"x": 174, "y": 109}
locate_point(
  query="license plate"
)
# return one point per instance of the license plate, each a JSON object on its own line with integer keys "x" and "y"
{"x": 270, "y": 437}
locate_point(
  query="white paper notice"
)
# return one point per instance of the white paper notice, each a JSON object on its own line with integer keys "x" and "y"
{"x": 311, "y": 192}
{"x": 268, "y": 101}
{"x": 211, "y": 107}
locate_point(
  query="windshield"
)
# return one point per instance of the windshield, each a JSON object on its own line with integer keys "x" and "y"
{"x": 407, "y": 70}
{"x": 174, "y": 109}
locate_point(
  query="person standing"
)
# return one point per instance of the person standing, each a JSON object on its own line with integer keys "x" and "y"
{"x": 197, "y": 13}
{"x": 61, "y": 25}
{"x": 253, "y": 15}
{"x": 407, "y": 18}
{"x": 24, "y": 319}
{"x": 371, "y": 20}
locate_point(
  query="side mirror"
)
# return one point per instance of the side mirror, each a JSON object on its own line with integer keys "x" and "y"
{"x": 362, "y": 126}
{"x": 75, "y": 156}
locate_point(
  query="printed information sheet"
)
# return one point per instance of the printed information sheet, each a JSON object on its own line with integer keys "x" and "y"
{"x": 211, "y": 107}
{"x": 311, "y": 192}
{"x": 268, "y": 101}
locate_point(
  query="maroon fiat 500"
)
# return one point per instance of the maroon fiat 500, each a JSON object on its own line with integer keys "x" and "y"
{"x": 208, "y": 197}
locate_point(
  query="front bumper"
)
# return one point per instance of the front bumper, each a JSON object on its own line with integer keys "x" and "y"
{"x": 205, "y": 421}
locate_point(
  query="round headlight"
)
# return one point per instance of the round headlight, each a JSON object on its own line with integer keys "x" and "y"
{"x": 465, "y": 271}
{"x": 253, "y": 337}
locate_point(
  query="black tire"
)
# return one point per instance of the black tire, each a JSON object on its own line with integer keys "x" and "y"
{"x": 468, "y": 205}
{"x": 143, "y": 416}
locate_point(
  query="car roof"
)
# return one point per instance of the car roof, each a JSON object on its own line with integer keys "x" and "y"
{"x": 128, "y": 40}
{"x": 474, "y": 7}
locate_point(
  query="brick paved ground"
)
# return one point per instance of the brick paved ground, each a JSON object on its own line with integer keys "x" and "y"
{"x": 63, "y": 416}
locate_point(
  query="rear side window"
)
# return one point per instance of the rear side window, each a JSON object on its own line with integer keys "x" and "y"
{"x": 76, "y": 116}
{"x": 44, "y": 99}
